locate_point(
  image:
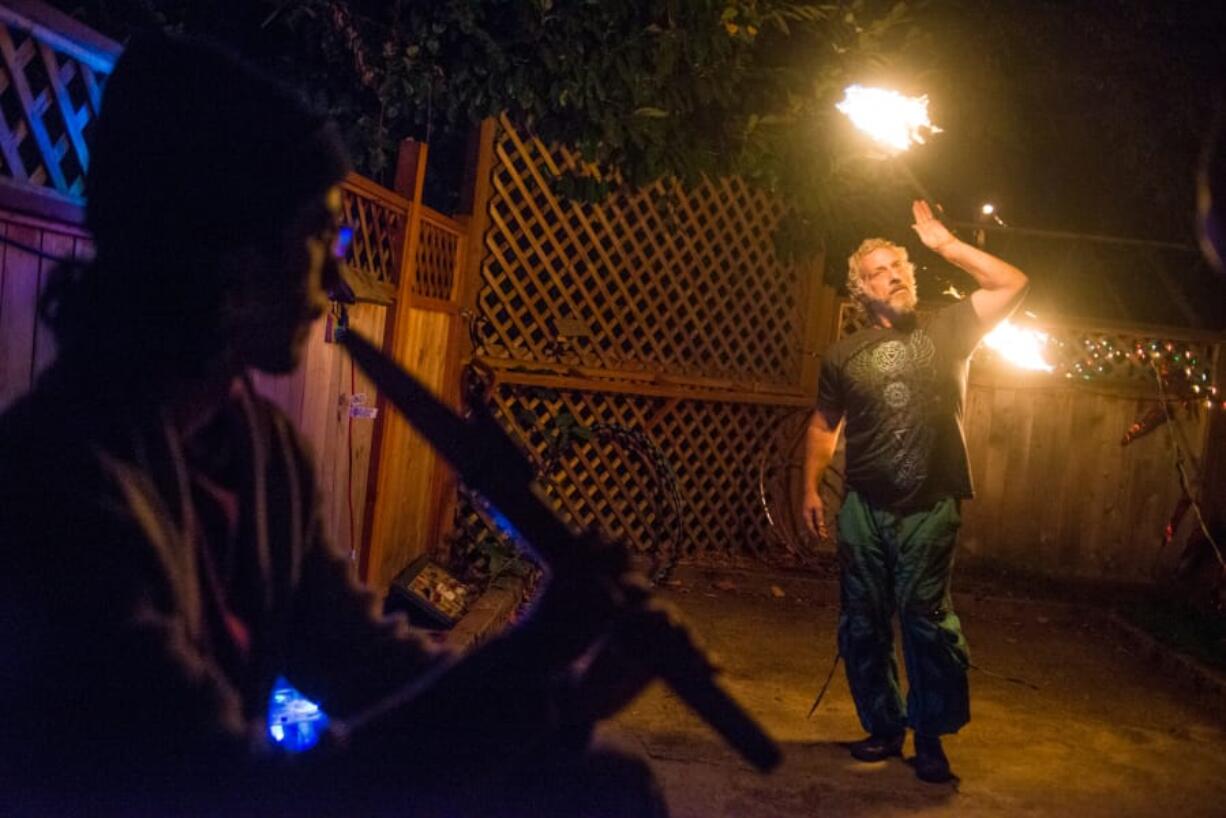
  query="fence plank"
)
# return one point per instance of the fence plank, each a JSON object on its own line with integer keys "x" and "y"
{"x": 1017, "y": 526}
{"x": 59, "y": 245}
{"x": 406, "y": 463}
{"x": 18, "y": 302}
{"x": 353, "y": 473}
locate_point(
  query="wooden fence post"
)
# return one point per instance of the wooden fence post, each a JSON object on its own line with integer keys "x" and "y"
{"x": 467, "y": 282}
{"x": 392, "y": 438}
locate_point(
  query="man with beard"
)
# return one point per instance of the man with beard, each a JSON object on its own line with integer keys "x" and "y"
{"x": 896, "y": 389}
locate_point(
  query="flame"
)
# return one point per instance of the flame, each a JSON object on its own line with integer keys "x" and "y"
{"x": 1019, "y": 346}
{"x": 894, "y": 121}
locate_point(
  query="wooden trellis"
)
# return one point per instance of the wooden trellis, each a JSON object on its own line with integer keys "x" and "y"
{"x": 440, "y": 252}
{"x": 52, "y": 71}
{"x": 379, "y": 219}
{"x": 664, "y": 280}
{"x": 382, "y": 221}
{"x": 664, "y": 310}
{"x": 710, "y": 446}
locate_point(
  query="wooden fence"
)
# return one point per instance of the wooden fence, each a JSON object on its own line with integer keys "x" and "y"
{"x": 26, "y": 346}
{"x": 679, "y": 321}
{"x": 663, "y": 310}
{"x": 384, "y": 489}
{"x": 52, "y": 71}
{"x": 410, "y": 510}
{"x": 1057, "y": 493}
{"x": 51, "y": 74}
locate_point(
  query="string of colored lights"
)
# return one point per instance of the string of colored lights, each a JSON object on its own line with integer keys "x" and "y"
{"x": 1186, "y": 378}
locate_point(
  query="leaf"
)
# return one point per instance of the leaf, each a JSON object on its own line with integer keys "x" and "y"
{"x": 651, "y": 89}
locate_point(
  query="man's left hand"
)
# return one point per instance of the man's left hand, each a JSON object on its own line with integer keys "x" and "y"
{"x": 932, "y": 233}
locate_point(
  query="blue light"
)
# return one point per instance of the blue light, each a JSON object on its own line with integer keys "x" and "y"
{"x": 295, "y": 723}
{"x": 503, "y": 524}
{"x": 344, "y": 238}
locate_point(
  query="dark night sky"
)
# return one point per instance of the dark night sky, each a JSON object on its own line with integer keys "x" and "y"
{"x": 1082, "y": 117}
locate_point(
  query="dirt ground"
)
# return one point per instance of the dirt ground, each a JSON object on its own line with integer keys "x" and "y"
{"x": 1105, "y": 733}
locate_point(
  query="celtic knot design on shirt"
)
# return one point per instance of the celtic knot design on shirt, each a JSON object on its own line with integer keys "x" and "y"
{"x": 896, "y": 395}
{"x": 890, "y": 357}
{"x": 899, "y": 374}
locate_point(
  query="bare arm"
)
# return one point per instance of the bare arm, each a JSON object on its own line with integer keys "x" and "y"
{"x": 821, "y": 438}
{"x": 1000, "y": 283}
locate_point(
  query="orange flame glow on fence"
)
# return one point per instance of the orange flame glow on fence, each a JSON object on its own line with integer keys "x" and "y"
{"x": 1019, "y": 346}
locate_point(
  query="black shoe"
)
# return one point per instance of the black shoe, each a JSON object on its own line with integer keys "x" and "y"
{"x": 877, "y": 748}
{"x": 930, "y": 762}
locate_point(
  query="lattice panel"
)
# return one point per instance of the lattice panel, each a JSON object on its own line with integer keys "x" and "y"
{"x": 693, "y": 288}
{"x": 851, "y": 319}
{"x": 712, "y": 448}
{"x": 1117, "y": 358}
{"x": 436, "y": 260}
{"x": 378, "y": 233}
{"x": 48, "y": 100}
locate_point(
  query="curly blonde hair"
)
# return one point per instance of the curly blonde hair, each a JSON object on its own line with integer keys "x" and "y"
{"x": 855, "y": 276}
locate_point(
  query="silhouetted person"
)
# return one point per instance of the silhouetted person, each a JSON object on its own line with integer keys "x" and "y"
{"x": 163, "y": 559}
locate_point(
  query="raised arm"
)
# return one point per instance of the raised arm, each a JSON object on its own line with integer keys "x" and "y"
{"x": 1000, "y": 283}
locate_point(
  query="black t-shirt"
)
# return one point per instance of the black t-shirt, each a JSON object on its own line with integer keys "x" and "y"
{"x": 902, "y": 393}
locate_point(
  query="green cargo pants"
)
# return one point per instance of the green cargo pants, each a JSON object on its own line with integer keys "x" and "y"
{"x": 901, "y": 562}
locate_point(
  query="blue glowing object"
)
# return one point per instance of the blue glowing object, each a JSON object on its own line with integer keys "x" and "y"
{"x": 295, "y": 723}
{"x": 344, "y": 238}
{"x": 504, "y": 525}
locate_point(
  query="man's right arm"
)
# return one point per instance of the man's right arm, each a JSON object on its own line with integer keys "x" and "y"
{"x": 821, "y": 438}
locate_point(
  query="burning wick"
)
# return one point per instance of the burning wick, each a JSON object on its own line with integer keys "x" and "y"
{"x": 890, "y": 119}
